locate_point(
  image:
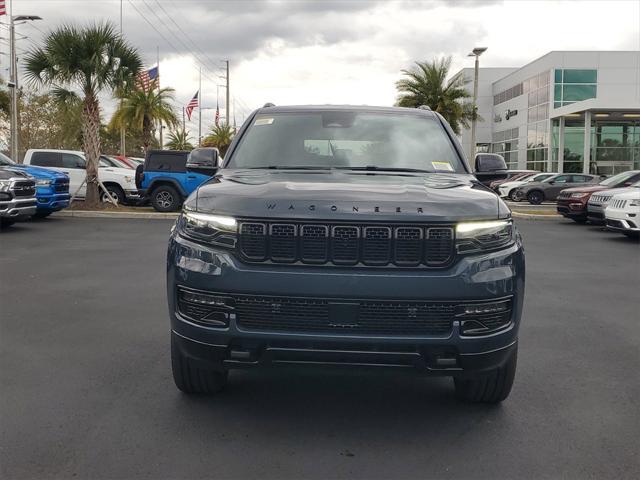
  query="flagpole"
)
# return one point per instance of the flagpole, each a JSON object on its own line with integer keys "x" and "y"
{"x": 123, "y": 134}
{"x": 200, "y": 110}
{"x": 160, "y": 121}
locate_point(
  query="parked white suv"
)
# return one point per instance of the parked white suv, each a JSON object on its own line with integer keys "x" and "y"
{"x": 623, "y": 213}
{"x": 120, "y": 182}
{"x": 508, "y": 189}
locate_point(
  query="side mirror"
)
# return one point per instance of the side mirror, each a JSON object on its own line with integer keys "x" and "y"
{"x": 551, "y": 182}
{"x": 203, "y": 160}
{"x": 490, "y": 167}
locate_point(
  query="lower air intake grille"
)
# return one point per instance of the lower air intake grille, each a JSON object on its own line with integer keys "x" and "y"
{"x": 345, "y": 316}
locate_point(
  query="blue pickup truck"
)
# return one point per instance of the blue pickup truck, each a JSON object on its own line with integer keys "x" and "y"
{"x": 164, "y": 181}
{"x": 52, "y": 187}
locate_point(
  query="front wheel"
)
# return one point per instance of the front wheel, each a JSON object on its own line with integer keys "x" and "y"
{"x": 490, "y": 387}
{"x": 116, "y": 193}
{"x": 165, "y": 198}
{"x": 535, "y": 198}
{"x": 191, "y": 378}
{"x": 513, "y": 196}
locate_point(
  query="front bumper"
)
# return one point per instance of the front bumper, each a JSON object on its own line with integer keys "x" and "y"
{"x": 18, "y": 207}
{"x": 51, "y": 201}
{"x": 622, "y": 220}
{"x": 595, "y": 213}
{"x": 571, "y": 208}
{"x": 482, "y": 277}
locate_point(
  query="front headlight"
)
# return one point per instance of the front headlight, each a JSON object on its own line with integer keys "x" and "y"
{"x": 485, "y": 235}
{"x": 5, "y": 185}
{"x": 634, "y": 203}
{"x": 128, "y": 179}
{"x": 43, "y": 182}
{"x": 209, "y": 228}
{"x": 579, "y": 195}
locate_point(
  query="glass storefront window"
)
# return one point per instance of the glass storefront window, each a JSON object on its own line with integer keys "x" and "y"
{"x": 558, "y": 75}
{"x": 576, "y": 93}
{"x": 580, "y": 76}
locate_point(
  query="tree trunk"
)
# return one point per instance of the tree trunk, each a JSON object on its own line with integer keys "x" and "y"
{"x": 91, "y": 144}
{"x": 146, "y": 134}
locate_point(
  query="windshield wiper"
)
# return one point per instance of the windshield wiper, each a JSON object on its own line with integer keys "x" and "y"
{"x": 375, "y": 168}
{"x": 290, "y": 167}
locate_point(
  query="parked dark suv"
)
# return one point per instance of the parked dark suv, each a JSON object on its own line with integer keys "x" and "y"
{"x": 550, "y": 188}
{"x": 347, "y": 236}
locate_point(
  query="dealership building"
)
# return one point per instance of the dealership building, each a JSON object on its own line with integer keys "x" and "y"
{"x": 564, "y": 112}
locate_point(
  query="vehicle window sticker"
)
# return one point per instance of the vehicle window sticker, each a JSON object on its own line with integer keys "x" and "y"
{"x": 442, "y": 166}
{"x": 264, "y": 121}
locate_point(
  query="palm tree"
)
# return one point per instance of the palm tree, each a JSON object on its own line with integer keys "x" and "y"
{"x": 141, "y": 109}
{"x": 426, "y": 84}
{"x": 179, "y": 140}
{"x": 88, "y": 60}
{"x": 220, "y": 137}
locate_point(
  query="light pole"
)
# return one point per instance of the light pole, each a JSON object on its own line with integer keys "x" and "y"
{"x": 476, "y": 52}
{"x": 13, "y": 79}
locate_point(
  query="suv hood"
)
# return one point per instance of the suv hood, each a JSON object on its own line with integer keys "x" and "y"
{"x": 589, "y": 189}
{"x": 129, "y": 172}
{"x": 11, "y": 172}
{"x": 345, "y": 195}
{"x": 41, "y": 172}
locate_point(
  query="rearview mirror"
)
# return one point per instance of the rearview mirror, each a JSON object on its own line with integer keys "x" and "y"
{"x": 490, "y": 167}
{"x": 203, "y": 160}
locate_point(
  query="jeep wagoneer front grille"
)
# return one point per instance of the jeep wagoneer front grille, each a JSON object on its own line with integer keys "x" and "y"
{"x": 346, "y": 244}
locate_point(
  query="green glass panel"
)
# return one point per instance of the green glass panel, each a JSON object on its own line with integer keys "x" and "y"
{"x": 577, "y": 93}
{"x": 557, "y": 104}
{"x": 558, "y": 75}
{"x": 580, "y": 76}
{"x": 557, "y": 93}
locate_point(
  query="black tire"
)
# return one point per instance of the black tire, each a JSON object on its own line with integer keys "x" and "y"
{"x": 165, "y": 198}
{"x": 190, "y": 378}
{"x": 512, "y": 195}
{"x": 580, "y": 220}
{"x": 6, "y": 222}
{"x": 40, "y": 214}
{"x": 535, "y": 197}
{"x": 491, "y": 387}
{"x": 116, "y": 192}
{"x": 633, "y": 235}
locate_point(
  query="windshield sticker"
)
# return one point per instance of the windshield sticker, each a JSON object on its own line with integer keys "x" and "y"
{"x": 442, "y": 166}
{"x": 263, "y": 121}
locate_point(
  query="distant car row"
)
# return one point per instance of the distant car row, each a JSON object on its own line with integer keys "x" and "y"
{"x": 614, "y": 201}
{"x": 161, "y": 180}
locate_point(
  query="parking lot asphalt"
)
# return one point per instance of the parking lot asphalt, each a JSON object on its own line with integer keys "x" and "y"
{"x": 86, "y": 389}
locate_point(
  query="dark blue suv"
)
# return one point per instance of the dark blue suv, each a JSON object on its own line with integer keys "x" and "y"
{"x": 351, "y": 236}
{"x": 164, "y": 181}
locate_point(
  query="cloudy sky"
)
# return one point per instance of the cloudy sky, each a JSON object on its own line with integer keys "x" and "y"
{"x": 295, "y": 51}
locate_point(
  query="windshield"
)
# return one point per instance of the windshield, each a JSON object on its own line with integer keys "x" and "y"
{"x": 619, "y": 178}
{"x": 4, "y": 160}
{"x": 539, "y": 178}
{"x": 350, "y": 140}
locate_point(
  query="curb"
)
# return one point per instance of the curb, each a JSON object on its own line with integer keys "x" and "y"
{"x": 139, "y": 215}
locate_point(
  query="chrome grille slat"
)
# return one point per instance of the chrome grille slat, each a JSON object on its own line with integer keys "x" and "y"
{"x": 363, "y": 244}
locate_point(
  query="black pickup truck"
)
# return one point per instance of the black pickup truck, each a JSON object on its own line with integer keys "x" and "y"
{"x": 17, "y": 195}
{"x": 350, "y": 236}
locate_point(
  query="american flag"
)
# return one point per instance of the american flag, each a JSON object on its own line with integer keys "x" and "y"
{"x": 217, "y": 116}
{"x": 3, "y": 7}
{"x": 148, "y": 79}
{"x": 192, "y": 104}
